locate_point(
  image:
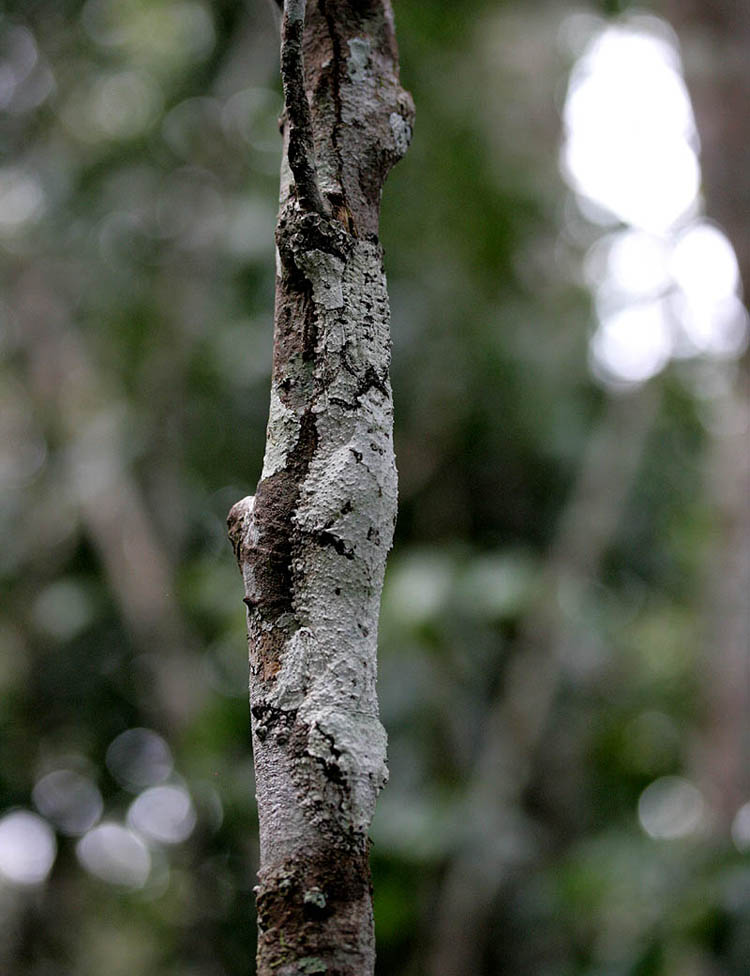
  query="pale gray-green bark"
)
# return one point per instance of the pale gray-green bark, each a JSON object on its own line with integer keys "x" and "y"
{"x": 312, "y": 542}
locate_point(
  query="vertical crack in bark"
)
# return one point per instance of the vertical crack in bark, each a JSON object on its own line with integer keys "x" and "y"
{"x": 312, "y": 543}
{"x": 301, "y": 148}
{"x": 341, "y": 207}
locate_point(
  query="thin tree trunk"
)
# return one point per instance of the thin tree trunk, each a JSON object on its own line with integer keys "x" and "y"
{"x": 312, "y": 543}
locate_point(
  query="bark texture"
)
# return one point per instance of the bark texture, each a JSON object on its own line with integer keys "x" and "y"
{"x": 312, "y": 542}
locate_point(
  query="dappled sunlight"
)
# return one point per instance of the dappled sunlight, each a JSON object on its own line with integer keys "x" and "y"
{"x": 665, "y": 281}
{"x": 63, "y": 609}
{"x": 568, "y": 330}
{"x": 626, "y": 265}
{"x": 632, "y": 344}
{"x": 118, "y": 105}
{"x": 26, "y": 80}
{"x": 630, "y": 128}
{"x": 167, "y": 34}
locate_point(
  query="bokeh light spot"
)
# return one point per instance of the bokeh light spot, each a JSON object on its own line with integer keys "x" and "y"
{"x": 21, "y": 200}
{"x": 70, "y": 800}
{"x": 63, "y": 609}
{"x": 139, "y": 758}
{"x": 116, "y": 855}
{"x": 671, "y": 807}
{"x": 630, "y": 129}
{"x": 27, "y": 847}
{"x": 163, "y": 813}
{"x": 632, "y": 345}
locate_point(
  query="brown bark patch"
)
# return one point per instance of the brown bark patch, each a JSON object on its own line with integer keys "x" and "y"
{"x": 323, "y": 897}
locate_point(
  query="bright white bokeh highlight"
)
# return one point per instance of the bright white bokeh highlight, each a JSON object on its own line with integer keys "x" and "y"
{"x": 70, "y": 800}
{"x": 630, "y": 129}
{"x": 632, "y": 345}
{"x": 665, "y": 282}
{"x": 704, "y": 270}
{"x": 671, "y": 808}
{"x": 703, "y": 263}
{"x": 629, "y": 264}
{"x": 27, "y": 848}
{"x": 163, "y": 813}
{"x": 115, "y": 854}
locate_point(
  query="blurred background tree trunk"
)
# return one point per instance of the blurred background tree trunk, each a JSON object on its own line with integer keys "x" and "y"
{"x": 715, "y": 39}
{"x": 546, "y": 649}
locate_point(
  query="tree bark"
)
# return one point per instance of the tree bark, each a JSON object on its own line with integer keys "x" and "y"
{"x": 312, "y": 543}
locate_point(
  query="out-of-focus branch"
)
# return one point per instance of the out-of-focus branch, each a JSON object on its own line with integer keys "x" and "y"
{"x": 721, "y": 755}
{"x": 519, "y": 717}
{"x": 62, "y": 377}
{"x": 715, "y": 39}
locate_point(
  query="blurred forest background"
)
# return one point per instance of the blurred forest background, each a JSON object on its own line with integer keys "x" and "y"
{"x": 564, "y": 635}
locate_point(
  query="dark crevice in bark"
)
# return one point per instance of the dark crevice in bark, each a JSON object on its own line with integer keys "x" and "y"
{"x": 299, "y": 233}
{"x": 301, "y": 150}
{"x": 275, "y": 502}
{"x": 338, "y": 202}
{"x": 329, "y": 539}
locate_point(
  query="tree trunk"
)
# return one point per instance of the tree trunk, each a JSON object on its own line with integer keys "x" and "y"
{"x": 312, "y": 543}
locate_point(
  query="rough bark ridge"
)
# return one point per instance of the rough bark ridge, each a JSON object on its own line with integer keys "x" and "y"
{"x": 312, "y": 543}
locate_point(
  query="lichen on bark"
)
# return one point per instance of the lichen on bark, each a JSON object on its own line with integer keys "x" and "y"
{"x": 312, "y": 542}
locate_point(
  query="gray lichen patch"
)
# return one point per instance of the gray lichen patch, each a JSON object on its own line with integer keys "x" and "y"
{"x": 353, "y": 344}
{"x": 324, "y": 272}
{"x": 297, "y": 664}
{"x": 295, "y": 11}
{"x": 355, "y": 743}
{"x": 359, "y": 56}
{"x": 401, "y": 133}
{"x": 282, "y": 434}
